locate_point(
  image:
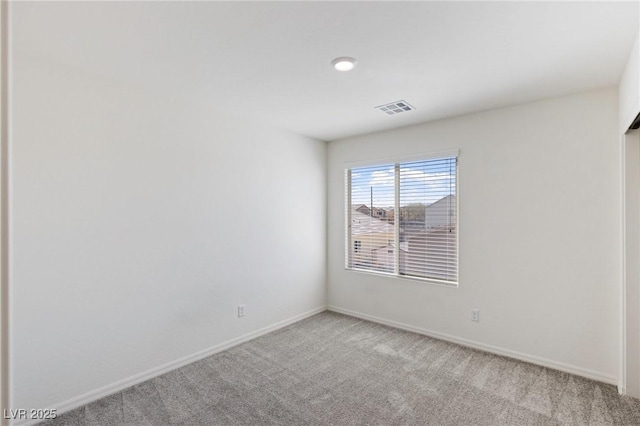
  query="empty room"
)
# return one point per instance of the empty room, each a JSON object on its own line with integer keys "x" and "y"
{"x": 320, "y": 213}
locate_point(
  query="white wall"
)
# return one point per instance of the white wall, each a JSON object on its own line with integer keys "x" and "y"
{"x": 632, "y": 263}
{"x": 540, "y": 249}
{"x": 139, "y": 223}
{"x": 629, "y": 89}
{"x": 629, "y": 100}
{"x": 4, "y": 136}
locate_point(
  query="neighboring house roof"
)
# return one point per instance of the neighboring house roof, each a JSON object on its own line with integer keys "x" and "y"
{"x": 439, "y": 250}
{"x": 379, "y": 211}
{"x": 364, "y": 209}
{"x": 433, "y": 241}
{"x": 403, "y": 247}
{"x": 441, "y": 213}
{"x": 447, "y": 201}
{"x": 365, "y": 224}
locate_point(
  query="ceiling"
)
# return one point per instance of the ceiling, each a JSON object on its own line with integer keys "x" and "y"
{"x": 270, "y": 61}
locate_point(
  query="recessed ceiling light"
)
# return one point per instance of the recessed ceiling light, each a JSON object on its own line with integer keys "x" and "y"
{"x": 344, "y": 63}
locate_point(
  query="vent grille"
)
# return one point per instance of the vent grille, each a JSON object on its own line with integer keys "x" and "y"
{"x": 395, "y": 107}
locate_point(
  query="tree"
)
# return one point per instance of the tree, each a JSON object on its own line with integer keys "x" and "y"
{"x": 414, "y": 212}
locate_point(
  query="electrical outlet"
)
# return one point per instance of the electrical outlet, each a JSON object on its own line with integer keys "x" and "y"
{"x": 475, "y": 315}
{"x": 240, "y": 311}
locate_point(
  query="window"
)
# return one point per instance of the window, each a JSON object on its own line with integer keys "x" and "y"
{"x": 411, "y": 206}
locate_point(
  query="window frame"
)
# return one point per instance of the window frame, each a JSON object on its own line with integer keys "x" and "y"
{"x": 396, "y": 162}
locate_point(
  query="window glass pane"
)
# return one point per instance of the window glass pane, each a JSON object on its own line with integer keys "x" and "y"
{"x": 423, "y": 214}
{"x": 371, "y": 227}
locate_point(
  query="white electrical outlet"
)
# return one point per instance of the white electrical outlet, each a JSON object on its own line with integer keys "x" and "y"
{"x": 475, "y": 315}
{"x": 240, "y": 311}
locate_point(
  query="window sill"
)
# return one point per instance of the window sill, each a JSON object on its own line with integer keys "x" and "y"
{"x": 432, "y": 281}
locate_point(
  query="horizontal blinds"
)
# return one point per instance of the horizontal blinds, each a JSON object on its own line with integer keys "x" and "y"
{"x": 426, "y": 212}
{"x": 428, "y": 219}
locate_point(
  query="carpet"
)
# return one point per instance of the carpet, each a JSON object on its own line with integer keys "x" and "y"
{"x": 332, "y": 369}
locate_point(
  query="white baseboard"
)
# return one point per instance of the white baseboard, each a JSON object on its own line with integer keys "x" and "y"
{"x": 567, "y": 368}
{"x": 622, "y": 390}
{"x": 94, "y": 395}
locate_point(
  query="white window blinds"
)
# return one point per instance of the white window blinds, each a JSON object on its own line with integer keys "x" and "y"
{"x": 402, "y": 219}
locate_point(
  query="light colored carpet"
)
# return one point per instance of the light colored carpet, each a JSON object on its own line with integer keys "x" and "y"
{"x": 335, "y": 369}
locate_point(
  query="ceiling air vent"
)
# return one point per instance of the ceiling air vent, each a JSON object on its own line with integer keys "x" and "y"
{"x": 395, "y": 107}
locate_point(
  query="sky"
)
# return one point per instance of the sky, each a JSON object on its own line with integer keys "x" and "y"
{"x": 420, "y": 182}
